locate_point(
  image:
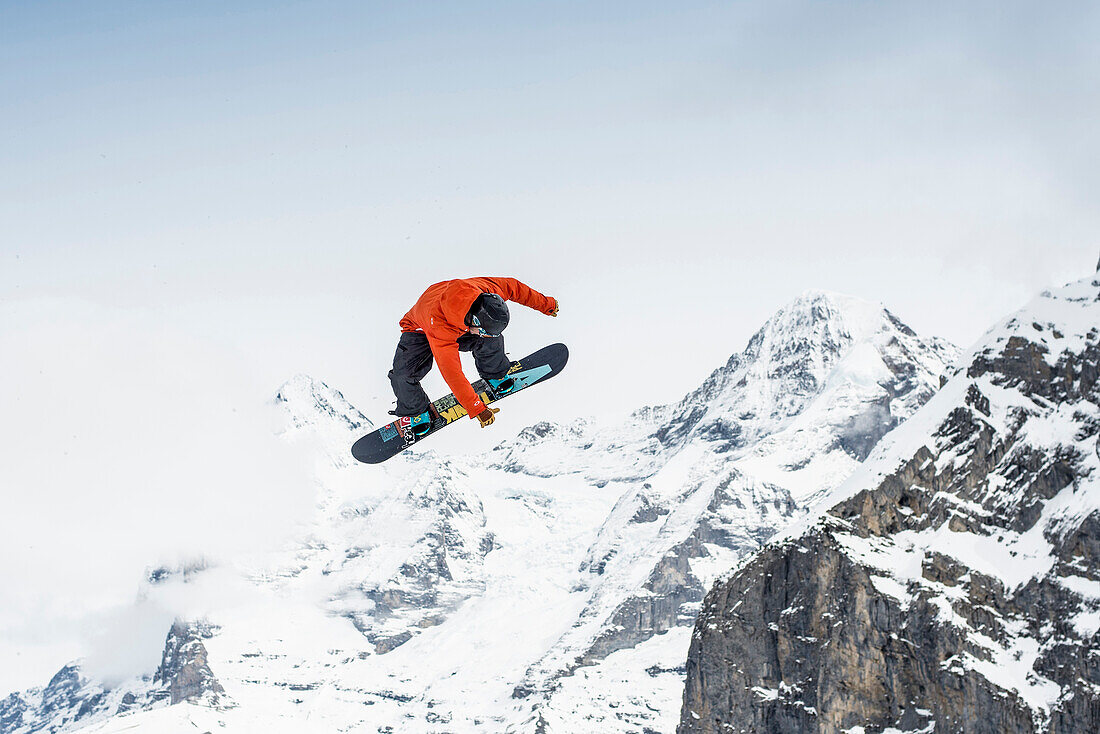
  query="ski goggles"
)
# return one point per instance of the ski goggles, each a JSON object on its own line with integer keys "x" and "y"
{"x": 476, "y": 324}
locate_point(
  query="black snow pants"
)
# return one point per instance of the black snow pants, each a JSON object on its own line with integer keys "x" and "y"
{"x": 413, "y": 360}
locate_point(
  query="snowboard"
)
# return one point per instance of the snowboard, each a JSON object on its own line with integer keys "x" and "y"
{"x": 393, "y": 438}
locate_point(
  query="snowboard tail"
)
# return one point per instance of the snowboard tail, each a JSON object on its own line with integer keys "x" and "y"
{"x": 395, "y": 437}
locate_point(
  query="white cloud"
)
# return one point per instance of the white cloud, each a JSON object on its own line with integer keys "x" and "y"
{"x": 127, "y": 445}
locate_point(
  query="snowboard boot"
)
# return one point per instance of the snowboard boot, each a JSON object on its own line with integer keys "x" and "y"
{"x": 422, "y": 424}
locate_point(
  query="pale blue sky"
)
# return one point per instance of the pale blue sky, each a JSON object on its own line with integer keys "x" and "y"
{"x": 269, "y": 186}
{"x": 296, "y": 173}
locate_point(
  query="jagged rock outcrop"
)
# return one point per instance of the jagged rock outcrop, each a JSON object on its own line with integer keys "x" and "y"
{"x": 953, "y": 583}
{"x": 184, "y": 673}
{"x": 71, "y": 700}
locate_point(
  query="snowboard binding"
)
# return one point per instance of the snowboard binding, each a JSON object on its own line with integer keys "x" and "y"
{"x": 421, "y": 424}
{"x": 503, "y": 386}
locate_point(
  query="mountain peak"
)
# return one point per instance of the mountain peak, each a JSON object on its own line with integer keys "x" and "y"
{"x": 843, "y": 354}
{"x": 828, "y": 318}
{"x": 822, "y": 294}
{"x": 312, "y": 403}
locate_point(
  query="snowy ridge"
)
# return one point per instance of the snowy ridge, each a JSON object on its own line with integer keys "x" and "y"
{"x": 801, "y": 388}
{"x": 322, "y": 413}
{"x": 976, "y": 522}
{"x": 67, "y": 699}
{"x": 71, "y": 701}
{"x": 715, "y": 475}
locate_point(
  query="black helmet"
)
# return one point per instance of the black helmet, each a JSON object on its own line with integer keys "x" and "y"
{"x": 489, "y": 313}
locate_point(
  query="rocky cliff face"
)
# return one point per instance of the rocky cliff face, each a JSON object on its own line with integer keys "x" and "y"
{"x": 184, "y": 673}
{"x": 953, "y": 583}
{"x": 71, "y": 701}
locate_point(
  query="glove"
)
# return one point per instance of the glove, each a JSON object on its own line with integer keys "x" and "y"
{"x": 555, "y": 311}
{"x": 487, "y": 416}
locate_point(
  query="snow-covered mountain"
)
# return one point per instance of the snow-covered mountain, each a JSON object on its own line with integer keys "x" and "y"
{"x": 71, "y": 701}
{"x": 953, "y": 582}
{"x": 705, "y": 482}
{"x": 548, "y": 585}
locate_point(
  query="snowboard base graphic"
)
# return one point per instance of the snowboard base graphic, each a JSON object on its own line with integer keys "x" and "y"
{"x": 393, "y": 438}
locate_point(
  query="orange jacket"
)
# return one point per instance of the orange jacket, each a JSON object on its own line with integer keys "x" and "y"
{"x": 441, "y": 314}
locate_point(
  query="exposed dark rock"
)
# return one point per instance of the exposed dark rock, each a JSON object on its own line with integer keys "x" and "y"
{"x": 836, "y": 628}
{"x": 184, "y": 671}
{"x": 648, "y": 511}
{"x": 383, "y": 644}
{"x": 12, "y": 712}
{"x": 801, "y": 641}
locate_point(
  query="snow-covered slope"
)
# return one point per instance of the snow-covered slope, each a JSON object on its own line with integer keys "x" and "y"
{"x": 707, "y": 481}
{"x": 549, "y": 584}
{"x": 317, "y": 413}
{"x": 953, "y": 582}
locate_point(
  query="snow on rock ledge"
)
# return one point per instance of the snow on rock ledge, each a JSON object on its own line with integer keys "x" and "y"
{"x": 957, "y": 571}
{"x": 704, "y": 483}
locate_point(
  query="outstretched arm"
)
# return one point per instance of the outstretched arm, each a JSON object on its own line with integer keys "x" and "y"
{"x": 511, "y": 289}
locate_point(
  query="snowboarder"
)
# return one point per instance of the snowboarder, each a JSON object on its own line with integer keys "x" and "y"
{"x": 462, "y": 315}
